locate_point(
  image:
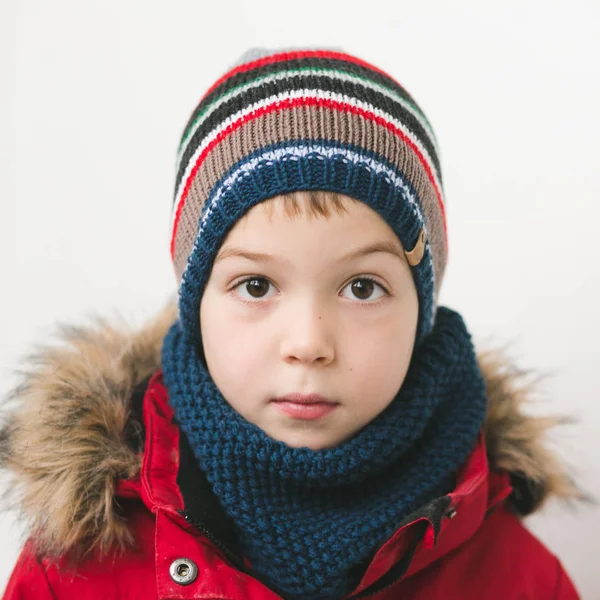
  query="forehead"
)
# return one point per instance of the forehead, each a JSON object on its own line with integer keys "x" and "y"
{"x": 315, "y": 207}
{"x": 270, "y": 228}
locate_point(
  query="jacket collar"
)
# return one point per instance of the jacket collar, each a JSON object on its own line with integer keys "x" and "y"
{"x": 170, "y": 482}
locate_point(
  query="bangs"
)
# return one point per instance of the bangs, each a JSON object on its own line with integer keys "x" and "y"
{"x": 314, "y": 203}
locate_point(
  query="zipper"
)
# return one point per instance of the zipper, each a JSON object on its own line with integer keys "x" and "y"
{"x": 402, "y": 566}
{"x": 230, "y": 555}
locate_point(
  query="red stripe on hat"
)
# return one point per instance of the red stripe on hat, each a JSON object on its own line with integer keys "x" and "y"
{"x": 291, "y": 103}
{"x": 283, "y": 56}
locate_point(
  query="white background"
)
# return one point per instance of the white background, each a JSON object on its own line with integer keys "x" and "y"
{"x": 94, "y": 96}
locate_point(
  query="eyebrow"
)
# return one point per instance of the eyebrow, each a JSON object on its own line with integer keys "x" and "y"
{"x": 386, "y": 247}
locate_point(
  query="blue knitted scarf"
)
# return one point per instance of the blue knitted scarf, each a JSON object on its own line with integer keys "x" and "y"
{"x": 305, "y": 518}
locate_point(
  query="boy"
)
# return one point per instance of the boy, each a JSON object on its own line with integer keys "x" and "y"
{"x": 312, "y": 425}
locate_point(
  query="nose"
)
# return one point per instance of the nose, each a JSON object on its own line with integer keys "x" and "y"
{"x": 308, "y": 335}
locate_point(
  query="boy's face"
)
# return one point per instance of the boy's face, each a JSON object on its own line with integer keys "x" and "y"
{"x": 308, "y": 322}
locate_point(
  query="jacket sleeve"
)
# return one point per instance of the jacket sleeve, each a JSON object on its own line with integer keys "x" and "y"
{"x": 28, "y": 580}
{"x": 565, "y": 590}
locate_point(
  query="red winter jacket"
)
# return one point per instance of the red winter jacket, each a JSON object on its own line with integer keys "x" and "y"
{"x": 119, "y": 509}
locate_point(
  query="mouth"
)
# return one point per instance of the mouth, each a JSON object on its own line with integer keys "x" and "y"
{"x": 305, "y": 407}
{"x": 304, "y": 399}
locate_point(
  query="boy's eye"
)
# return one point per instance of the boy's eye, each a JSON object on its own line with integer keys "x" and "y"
{"x": 362, "y": 288}
{"x": 255, "y": 286}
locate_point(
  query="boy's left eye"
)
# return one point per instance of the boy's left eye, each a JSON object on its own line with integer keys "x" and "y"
{"x": 363, "y": 287}
{"x": 257, "y": 288}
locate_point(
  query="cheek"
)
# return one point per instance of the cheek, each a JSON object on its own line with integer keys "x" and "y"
{"x": 381, "y": 360}
{"x": 232, "y": 352}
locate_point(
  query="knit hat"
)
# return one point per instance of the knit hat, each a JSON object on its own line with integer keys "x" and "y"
{"x": 306, "y": 119}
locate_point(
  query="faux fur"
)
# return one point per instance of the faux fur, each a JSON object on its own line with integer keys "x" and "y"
{"x": 67, "y": 431}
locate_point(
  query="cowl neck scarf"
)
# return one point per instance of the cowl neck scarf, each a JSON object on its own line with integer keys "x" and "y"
{"x": 306, "y": 518}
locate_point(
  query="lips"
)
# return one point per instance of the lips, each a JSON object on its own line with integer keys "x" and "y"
{"x": 304, "y": 399}
{"x": 305, "y": 407}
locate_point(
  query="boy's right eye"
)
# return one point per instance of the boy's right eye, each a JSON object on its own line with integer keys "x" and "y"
{"x": 255, "y": 287}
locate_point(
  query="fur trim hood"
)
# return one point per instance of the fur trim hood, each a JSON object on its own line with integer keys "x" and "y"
{"x": 68, "y": 434}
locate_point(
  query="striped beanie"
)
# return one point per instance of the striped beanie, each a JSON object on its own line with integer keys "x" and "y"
{"x": 306, "y": 119}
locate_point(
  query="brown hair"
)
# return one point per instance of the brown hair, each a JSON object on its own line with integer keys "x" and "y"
{"x": 314, "y": 203}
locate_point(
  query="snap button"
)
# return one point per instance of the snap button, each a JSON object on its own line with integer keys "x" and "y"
{"x": 450, "y": 513}
{"x": 183, "y": 571}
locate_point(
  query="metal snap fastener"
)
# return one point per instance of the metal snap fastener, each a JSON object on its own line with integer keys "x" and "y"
{"x": 183, "y": 571}
{"x": 450, "y": 513}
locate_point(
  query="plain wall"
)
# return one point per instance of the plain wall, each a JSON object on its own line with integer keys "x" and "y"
{"x": 94, "y": 99}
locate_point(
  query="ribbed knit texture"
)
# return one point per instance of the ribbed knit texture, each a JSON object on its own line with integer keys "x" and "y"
{"x": 306, "y": 120}
{"x": 305, "y": 517}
